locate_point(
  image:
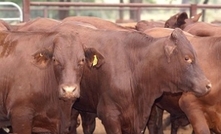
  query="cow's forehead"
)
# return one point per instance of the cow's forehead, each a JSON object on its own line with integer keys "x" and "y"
{"x": 69, "y": 40}
{"x": 68, "y": 47}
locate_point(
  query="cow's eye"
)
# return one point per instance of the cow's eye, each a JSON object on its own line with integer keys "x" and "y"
{"x": 188, "y": 59}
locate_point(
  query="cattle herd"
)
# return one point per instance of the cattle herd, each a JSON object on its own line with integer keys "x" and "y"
{"x": 53, "y": 71}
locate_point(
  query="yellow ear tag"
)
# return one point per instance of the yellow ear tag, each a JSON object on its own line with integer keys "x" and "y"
{"x": 95, "y": 60}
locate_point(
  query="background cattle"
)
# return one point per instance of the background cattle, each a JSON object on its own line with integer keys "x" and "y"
{"x": 181, "y": 20}
{"x": 38, "y": 24}
{"x": 203, "y": 112}
{"x": 96, "y": 22}
{"x": 144, "y": 25}
{"x": 192, "y": 26}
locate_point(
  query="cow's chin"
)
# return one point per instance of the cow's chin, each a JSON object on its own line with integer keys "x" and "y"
{"x": 69, "y": 97}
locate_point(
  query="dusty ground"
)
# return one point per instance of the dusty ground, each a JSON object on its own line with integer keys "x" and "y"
{"x": 100, "y": 129}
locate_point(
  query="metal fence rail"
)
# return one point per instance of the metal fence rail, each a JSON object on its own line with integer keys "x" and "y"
{"x": 20, "y": 18}
{"x": 137, "y": 6}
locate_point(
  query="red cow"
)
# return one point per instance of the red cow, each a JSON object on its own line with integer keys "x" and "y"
{"x": 204, "y": 112}
{"x": 39, "y": 80}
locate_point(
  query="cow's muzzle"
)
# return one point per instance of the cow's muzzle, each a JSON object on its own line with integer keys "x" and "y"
{"x": 69, "y": 92}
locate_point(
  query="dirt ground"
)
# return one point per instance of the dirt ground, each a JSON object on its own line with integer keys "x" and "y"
{"x": 100, "y": 129}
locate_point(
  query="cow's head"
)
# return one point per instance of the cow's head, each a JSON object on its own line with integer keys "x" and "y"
{"x": 181, "y": 20}
{"x": 176, "y": 20}
{"x": 70, "y": 57}
{"x": 183, "y": 65}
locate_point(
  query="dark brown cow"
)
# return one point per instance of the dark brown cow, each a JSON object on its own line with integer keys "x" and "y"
{"x": 204, "y": 112}
{"x": 36, "y": 70}
{"x": 122, "y": 90}
{"x": 181, "y": 20}
{"x": 192, "y": 26}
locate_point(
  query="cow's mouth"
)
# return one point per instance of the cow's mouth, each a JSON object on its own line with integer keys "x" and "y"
{"x": 67, "y": 98}
{"x": 200, "y": 93}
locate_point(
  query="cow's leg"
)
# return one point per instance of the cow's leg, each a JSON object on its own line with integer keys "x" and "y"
{"x": 112, "y": 125}
{"x": 194, "y": 114}
{"x": 109, "y": 117}
{"x": 174, "y": 123}
{"x": 21, "y": 120}
{"x": 177, "y": 121}
{"x": 74, "y": 121}
{"x": 88, "y": 122}
{"x": 155, "y": 121}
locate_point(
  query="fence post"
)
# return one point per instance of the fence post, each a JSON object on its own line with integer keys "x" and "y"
{"x": 193, "y": 9}
{"x": 138, "y": 14}
{"x": 26, "y": 10}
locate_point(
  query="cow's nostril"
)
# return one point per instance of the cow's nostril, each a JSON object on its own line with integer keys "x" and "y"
{"x": 69, "y": 89}
{"x": 209, "y": 85}
{"x": 63, "y": 89}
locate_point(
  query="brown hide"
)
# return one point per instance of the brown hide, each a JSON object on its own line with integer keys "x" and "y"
{"x": 4, "y": 26}
{"x": 203, "y": 29}
{"x": 38, "y": 24}
{"x": 96, "y": 22}
{"x": 144, "y": 25}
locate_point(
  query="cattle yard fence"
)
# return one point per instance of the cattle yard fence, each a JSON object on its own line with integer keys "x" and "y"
{"x": 135, "y": 6}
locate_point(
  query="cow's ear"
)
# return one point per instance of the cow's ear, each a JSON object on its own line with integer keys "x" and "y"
{"x": 93, "y": 57}
{"x": 169, "y": 49}
{"x": 181, "y": 19}
{"x": 42, "y": 58}
{"x": 196, "y": 17}
{"x": 171, "y": 43}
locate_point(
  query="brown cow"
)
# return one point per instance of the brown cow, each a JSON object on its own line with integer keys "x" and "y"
{"x": 192, "y": 26}
{"x": 181, "y": 20}
{"x": 96, "y": 22}
{"x": 144, "y": 25}
{"x": 122, "y": 90}
{"x": 38, "y": 24}
{"x": 204, "y": 112}
{"x": 36, "y": 70}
